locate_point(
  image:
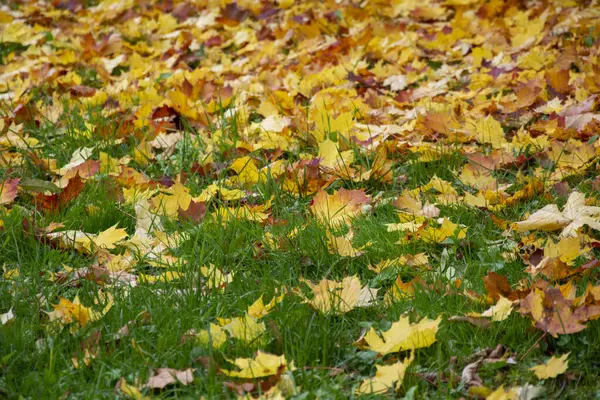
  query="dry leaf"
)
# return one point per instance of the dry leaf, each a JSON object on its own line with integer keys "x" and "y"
{"x": 167, "y": 376}
{"x": 551, "y": 368}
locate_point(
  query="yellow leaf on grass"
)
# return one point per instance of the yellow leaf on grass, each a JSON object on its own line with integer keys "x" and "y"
{"x": 403, "y": 336}
{"x": 437, "y": 235}
{"x": 500, "y": 311}
{"x": 67, "y": 312}
{"x": 170, "y": 202}
{"x": 263, "y": 364}
{"x": 574, "y": 215}
{"x": 567, "y": 249}
{"x": 488, "y": 130}
{"x": 258, "y": 309}
{"x": 108, "y": 238}
{"x": 503, "y": 394}
{"x": 246, "y": 328}
{"x": 409, "y": 260}
{"x": 332, "y": 297}
{"x": 387, "y": 377}
{"x": 343, "y": 246}
{"x": 339, "y": 207}
{"x": 332, "y": 157}
{"x": 326, "y": 124}
{"x": 552, "y": 368}
{"x": 215, "y": 278}
{"x": 214, "y": 335}
{"x": 130, "y": 390}
{"x": 246, "y": 169}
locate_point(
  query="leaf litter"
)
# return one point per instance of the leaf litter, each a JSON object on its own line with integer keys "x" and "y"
{"x": 338, "y": 103}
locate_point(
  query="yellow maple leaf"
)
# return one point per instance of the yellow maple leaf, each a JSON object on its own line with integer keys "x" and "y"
{"x": 488, "y": 130}
{"x": 164, "y": 277}
{"x": 340, "y": 207}
{"x": 551, "y": 368}
{"x": 263, "y": 364}
{"x": 403, "y": 336}
{"x": 176, "y": 197}
{"x": 258, "y": 309}
{"x": 503, "y": 394}
{"x": 332, "y": 157}
{"x": 67, "y": 312}
{"x": 447, "y": 229}
{"x": 246, "y": 328}
{"x": 246, "y": 169}
{"x": 130, "y": 390}
{"x": 215, "y": 278}
{"x": 498, "y": 312}
{"x": 326, "y": 124}
{"x": 333, "y": 297}
{"x": 214, "y": 335}
{"x": 107, "y": 239}
{"x": 387, "y": 377}
{"x": 343, "y": 246}
{"x": 567, "y": 249}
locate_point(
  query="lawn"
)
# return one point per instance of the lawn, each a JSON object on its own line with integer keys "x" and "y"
{"x": 299, "y": 199}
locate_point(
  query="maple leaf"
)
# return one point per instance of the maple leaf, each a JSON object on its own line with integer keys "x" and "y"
{"x": 551, "y": 368}
{"x": 167, "y": 376}
{"x": 8, "y": 190}
{"x": 247, "y": 329}
{"x": 107, "y": 239}
{"x": 332, "y": 157}
{"x": 130, "y": 390}
{"x": 402, "y": 336}
{"x": 498, "y": 312}
{"x": 332, "y": 297}
{"x": 214, "y": 336}
{"x": 258, "y": 309}
{"x": 575, "y": 214}
{"x": 67, "y": 312}
{"x": 503, "y": 394}
{"x": 246, "y": 169}
{"x": 55, "y": 201}
{"x": 343, "y": 246}
{"x": 555, "y": 314}
{"x": 174, "y": 199}
{"x": 215, "y": 278}
{"x": 488, "y": 130}
{"x": 387, "y": 377}
{"x": 263, "y": 364}
{"x": 339, "y": 207}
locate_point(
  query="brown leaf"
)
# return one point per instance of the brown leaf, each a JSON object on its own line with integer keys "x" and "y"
{"x": 558, "y": 79}
{"x": 497, "y": 285}
{"x": 82, "y": 91}
{"x": 55, "y": 202}
{"x": 8, "y": 190}
{"x": 194, "y": 213}
{"x": 168, "y": 376}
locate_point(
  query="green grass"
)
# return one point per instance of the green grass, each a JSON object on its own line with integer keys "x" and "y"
{"x": 35, "y": 356}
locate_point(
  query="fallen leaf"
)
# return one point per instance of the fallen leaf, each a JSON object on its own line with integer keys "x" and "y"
{"x": 387, "y": 377}
{"x": 551, "y": 368}
{"x": 167, "y": 376}
{"x": 402, "y": 336}
{"x": 261, "y": 365}
{"x": 7, "y": 317}
{"x": 332, "y": 297}
{"x": 340, "y": 207}
{"x": 8, "y": 190}
{"x": 574, "y": 215}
